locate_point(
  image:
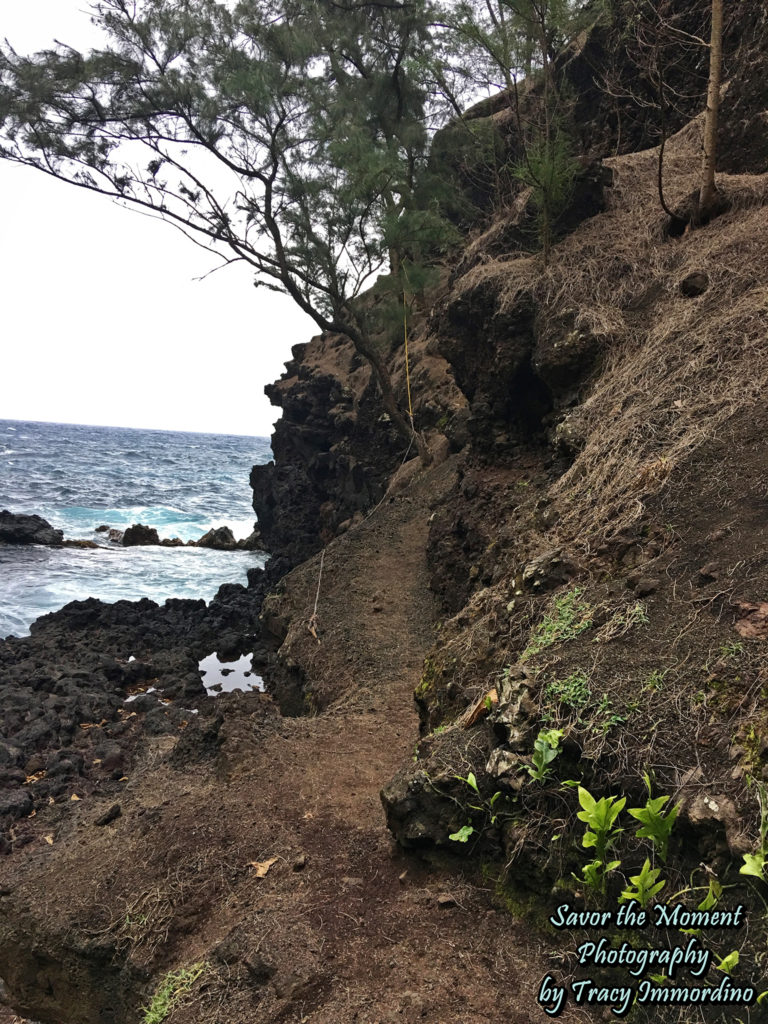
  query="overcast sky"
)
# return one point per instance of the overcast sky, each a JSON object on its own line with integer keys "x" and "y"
{"x": 103, "y": 320}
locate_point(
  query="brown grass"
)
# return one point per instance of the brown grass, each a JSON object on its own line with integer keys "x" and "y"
{"x": 676, "y": 368}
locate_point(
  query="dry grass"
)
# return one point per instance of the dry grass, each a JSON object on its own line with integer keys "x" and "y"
{"x": 676, "y": 369}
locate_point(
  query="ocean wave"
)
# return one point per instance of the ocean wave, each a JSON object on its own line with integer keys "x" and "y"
{"x": 82, "y": 477}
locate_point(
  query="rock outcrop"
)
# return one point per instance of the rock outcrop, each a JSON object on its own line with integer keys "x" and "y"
{"x": 139, "y": 535}
{"x": 16, "y": 528}
{"x": 334, "y": 450}
{"x": 219, "y": 538}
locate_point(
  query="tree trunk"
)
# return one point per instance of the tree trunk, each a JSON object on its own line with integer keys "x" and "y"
{"x": 708, "y": 192}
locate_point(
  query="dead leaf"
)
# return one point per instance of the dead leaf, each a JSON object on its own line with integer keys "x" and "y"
{"x": 308, "y": 815}
{"x": 32, "y": 814}
{"x": 74, "y": 797}
{"x": 49, "y": 840}
{"x": 261, "y": 867}
{"x": 754, "y": 624}
{"x": 485, "y": 703}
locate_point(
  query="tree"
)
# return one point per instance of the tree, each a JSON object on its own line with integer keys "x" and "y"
{"x": 708, "y": 191}
{"x": 288, "y": 136}
{"x": 512, "y": 40}
{"x": 663, "y": 44}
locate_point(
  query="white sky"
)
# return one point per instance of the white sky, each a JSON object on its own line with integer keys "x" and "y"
{"x": 102, "y": 319}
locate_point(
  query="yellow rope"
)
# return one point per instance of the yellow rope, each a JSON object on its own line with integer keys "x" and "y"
{"x": 312, "y": 625}
{"x": 407, "y": 363}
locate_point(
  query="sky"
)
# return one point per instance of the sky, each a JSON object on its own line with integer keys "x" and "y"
{"x": 104, "y": 318}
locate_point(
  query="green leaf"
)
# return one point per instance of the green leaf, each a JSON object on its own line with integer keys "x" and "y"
{"x": 714, "y": 893}
{"x": 728, "y": 962}
{"x": 754, "y": 864}
{"x": 587, "y": 801}
{"x": 552, "y": 736}
{"x": 463, "y": 835}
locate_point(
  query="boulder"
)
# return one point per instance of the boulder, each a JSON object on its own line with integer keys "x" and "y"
{"x": 139, "y": 535}
{"x": 549, "y": 571}
{"x": 17, "y": 803}
{"x": 22, "y": 529}
{"x": 252, "y": 542}
{"x": 221, "y": 539}
{"x": 694, "y": 284}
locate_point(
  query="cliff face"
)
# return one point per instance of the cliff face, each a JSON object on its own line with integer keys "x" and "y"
{"x": 335, "y": 449}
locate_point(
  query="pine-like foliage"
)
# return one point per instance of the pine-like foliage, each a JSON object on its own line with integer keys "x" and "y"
{"x": 289, "y": 135}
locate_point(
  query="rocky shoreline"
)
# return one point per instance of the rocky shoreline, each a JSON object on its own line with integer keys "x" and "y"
{"x": 73, "y": 694}
{"x": 20, "y": 529}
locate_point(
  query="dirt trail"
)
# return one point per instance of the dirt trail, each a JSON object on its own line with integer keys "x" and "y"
{"x": 341, "y": 926}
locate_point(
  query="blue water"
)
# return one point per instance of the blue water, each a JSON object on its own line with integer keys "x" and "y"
{"x": 82, "y": 477}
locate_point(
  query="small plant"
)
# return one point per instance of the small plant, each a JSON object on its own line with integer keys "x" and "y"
{"x": 572, "y": 691}
{"x": 568, "y": 617}
{"x": 600, "y": 817}
{"x": 486, "y": 807}
{"x": 654, "y": 681}
{"x": 611, "y": 722}
{"x": 622, "y": 621}
{"x": 755, "y": 863}
{"x": 654, "y": 825}
{"x": 637, "y": 614}
{"x": 711, "y": 899}
{"x": 546, "y": 747}
{"x": 172, "y": 989}
{"x": 464, "y": 834}
{"x": 731, "y": 650}
{"x": 645, "y": 886}
{"x": 714, "y": 894}
{"x": 727, "y": 964}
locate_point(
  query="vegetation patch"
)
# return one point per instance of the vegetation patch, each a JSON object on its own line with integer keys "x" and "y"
{"x": 568, "y": 617}
{"x": 573, "y": 691}
{"x": 173, "y": 988}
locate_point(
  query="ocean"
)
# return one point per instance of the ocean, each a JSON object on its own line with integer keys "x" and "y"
{"x": 82, "y": 477}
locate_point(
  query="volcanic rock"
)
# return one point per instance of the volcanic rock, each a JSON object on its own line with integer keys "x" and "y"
{"x": 22, "y": 529}
{"x": 139, "y": 535}
{"x": 221, "y": 539}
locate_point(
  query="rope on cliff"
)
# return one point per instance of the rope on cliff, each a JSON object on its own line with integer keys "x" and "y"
{"x": 313, "y": 618}
{"x": 407, "y": 362}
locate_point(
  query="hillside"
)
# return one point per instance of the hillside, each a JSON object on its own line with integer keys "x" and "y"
{"x": 584, "y": 558}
